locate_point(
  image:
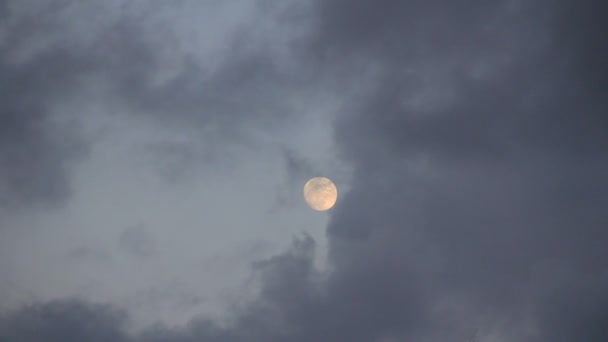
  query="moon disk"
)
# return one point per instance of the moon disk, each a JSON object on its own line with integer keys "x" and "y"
{"x": 320, "y": 193}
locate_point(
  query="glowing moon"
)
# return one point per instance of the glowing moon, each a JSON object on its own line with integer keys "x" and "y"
{"x": 320, "y": 193}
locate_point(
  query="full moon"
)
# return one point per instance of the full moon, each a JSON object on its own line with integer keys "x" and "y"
{"x": 320, "y": 193}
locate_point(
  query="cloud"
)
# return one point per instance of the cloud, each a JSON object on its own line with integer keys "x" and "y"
{"x": 67, "y": 321}
{"x": 32, "y": 162}
{"x": 41, "y": 67}
{"x": 484, "y": 177}
{"x": 138, "y": 242}
{"x": 477, "y": 135}
{"x": 123, "y": 65}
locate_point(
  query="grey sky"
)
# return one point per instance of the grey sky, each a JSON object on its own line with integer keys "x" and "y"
{"x": 152, "y": 156}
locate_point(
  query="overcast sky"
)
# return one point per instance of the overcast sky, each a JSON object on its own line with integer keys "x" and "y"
{"x": 153, "y": 154}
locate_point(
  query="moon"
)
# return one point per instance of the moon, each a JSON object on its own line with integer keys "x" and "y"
{"x": 320, "y": 193}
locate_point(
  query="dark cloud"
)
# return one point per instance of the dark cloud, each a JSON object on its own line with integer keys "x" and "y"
{"x": 65, "y": 321}
{"x": 495, "y": 183}
{"x": 32, "y": 162}
{"x": 41, "y": 67}
{"x": 477, "y": 133}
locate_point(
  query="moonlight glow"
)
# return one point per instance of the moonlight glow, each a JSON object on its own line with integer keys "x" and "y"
{"x": 320, "y": 193}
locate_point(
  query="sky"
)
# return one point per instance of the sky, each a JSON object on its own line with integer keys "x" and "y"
{"x": 153, "y": 154}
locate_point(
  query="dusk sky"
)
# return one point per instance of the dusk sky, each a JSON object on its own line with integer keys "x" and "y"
{"x": 153, "y": 156}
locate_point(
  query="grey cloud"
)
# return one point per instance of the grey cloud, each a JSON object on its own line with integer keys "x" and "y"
{"x": 65, "y": 321}
{"x": 86, "y": 253}
{"x": 293, "y": 305}
{"x": 32, "y": 161}
{"x": 286, "y": 283}
{"x": 479, "y": 208}
{"x": 138, "y": 242}
{"x": 511, "y": 190}
{"x": 298, "y": 170}
{"x": 575, "y": 311}
{"x": 118, "y": 64}
{"x": 35, "y": 151}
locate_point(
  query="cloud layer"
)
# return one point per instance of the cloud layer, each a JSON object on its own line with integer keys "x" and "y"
{"x": 476, "y": 133}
